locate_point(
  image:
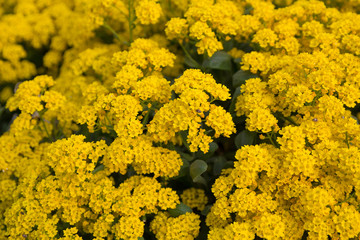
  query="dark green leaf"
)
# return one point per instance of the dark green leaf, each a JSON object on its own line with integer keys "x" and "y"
{"x": 233, "y": 100}
{"x": 184, "y": 169}
{"x": 220, "y": 61}
{"x": 179, "y": 210}
{"x": 237, "y": 60}
{"x": 190, "y": 62}
{"x": 213, "y": 146}
{"x": 197, "y": 168}
{"x": 201, "y": 180}
{"x": 186, "y": 156}
{"x": 241, "y": 76}
{"x": 228, "y": 45}
{"x": 219, "y": 164}
{"x": 245, "y": 137}
{"x": 206, "y": 210}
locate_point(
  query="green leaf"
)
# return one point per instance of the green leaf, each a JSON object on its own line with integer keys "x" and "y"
{"x": 190, "y": 62}
{"x": 354, "y": 117}
{"x": 220, "y": 61}
{"x": 186, "y": 156}
{"x": 183, "y": 136}
{"x": 219, "y": 164}
{"x": 197, "y": 168}
{"x": 206, "y": 210}
{"x": 237, "y": 61}
{"x": 98, "y": 169}
{"x": 213, "y": 146}
{"x": 179, "y": 210}
{"x": 233, "y": 100}
{"x": 245, "y": 137}
{"x": 240, "y": 77}
{"x": 184, "y": 169}
{"x": 201, "y": 180}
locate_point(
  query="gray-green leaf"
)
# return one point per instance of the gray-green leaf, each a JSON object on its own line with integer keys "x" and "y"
{"x": 219, "y": 60}
{"x": 240, "y": 77}
{"x": 245, "y": 137}
{"x": 179, "y": 210}
{"x": 197, "y": 168}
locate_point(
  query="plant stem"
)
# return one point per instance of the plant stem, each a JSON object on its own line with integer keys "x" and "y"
{"x": 117, "y": 36}
{"x": 197, "y": 65}
{"x": 185, "y": 143}
{"x": 146, "y": 118}
{"x": 347, "y": 140}
{"x": 289, "y": 119}
{"x": 272, "y": 140}
{"x": 47, "y": 132}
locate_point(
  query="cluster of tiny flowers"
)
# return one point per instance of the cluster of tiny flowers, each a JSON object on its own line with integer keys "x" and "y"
{"x": 303, "y": 176}
{"x": 179, "y": 120}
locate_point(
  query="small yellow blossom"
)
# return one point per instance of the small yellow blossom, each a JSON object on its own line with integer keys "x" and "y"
{"x": 194, "y": 198}
{"x": 176, "y": 28}
{"x": 148, "y": 12}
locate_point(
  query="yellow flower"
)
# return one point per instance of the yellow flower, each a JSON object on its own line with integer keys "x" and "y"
{"x": 148, "y": 12}
{"x": 234, "y": 230}
{"x": 129, "y": 228}
{"x": 221, "y": 121}
{"x": 194, "y": 198}
{"x": 154, "y": 88}
{"x": 160, "y": 58}
{"x": 261, "y": 120}
{"x": 183, "y": 227}
{"x": 144, "y": 157}
{"x": 270, "y": 226}
{"x": 195, "y": 79}
{"x": 176, "y": 28}
{"x": 28, "y": 95}
{"x": 265, "y": 38}
{"x": 74, "y": 154}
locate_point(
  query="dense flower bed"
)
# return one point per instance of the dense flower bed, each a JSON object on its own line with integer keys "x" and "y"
{"x": 179, "y": 119}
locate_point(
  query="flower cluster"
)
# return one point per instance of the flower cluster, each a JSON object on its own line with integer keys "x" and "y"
{"x": 300, "y": 177}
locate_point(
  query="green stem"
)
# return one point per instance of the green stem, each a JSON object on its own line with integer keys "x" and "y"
{"x": 347, "y": 139}
{"x": 351, "y": 195}
{"x": 185, "y": 143}
{"x": 197, "y": 65}
{"x": 60, "y": 132}
{"x": 122, "y": 13}
{"x": 146, "y": 118}
{"x": 47, "y": 132}
{"x": 289, "y": 119}
{"x": 107, "y": 119}
{"x": 117, "y": 36}
{"x": 272, "y": 141}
